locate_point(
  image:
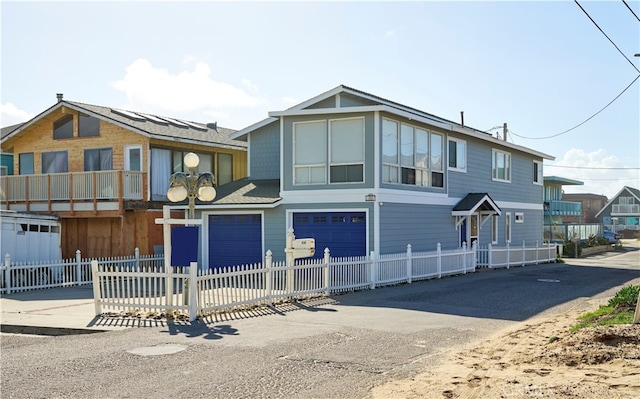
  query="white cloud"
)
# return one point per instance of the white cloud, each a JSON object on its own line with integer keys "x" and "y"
{"x": 389, "y": 34}
{"x": 600, "y": 172}
{"x": 153, "y": 89}
{"x": 10, "y": 115}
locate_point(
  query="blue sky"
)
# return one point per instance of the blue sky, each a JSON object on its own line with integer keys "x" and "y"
{"x": 541, "y": 67}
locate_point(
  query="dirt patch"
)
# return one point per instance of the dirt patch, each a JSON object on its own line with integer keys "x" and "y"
{"x": 538, "y": 359}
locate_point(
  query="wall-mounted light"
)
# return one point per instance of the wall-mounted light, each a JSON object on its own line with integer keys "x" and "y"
{"x": 370, "y": 197}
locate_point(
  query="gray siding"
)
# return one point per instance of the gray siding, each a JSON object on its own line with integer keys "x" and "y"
{"x": 264, "y": 160}
{"x": 422, "y": 226}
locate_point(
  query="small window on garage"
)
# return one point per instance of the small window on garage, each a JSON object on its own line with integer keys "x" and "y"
{"x": 338, "y": 219}
{"x": 319, "y": 219}
{"x": 302, "y": 219}
{"x": 357, "y": 219}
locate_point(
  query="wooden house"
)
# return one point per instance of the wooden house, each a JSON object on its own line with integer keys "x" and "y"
{"x": 105, "y": 172}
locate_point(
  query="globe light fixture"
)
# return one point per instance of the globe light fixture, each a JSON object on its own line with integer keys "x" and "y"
{"x": 192, "y": 185}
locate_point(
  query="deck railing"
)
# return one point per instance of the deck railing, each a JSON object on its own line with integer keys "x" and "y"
{"x": 74, "y": 186}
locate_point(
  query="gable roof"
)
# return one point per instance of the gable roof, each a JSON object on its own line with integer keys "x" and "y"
{"x": 381, "y": 104}
{"x": 633, "y": 191}
{"x": 475, "y": 202}
{"x": 152, "y": 126}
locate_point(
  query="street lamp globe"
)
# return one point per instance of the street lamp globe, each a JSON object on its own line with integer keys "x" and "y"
{"x": 191, "y": 160}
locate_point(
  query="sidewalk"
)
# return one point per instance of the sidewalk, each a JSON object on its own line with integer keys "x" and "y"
{"x": 55, "y": 311}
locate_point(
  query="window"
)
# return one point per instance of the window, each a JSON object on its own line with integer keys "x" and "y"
{"x": 63, "y": 128}
{"x": 537, "y": 172}
{"x": 98, "y": 159}
{"x": 347, "y": 150}
{"x": 133, "y": 158}
{"x": 4, "y": 170}
{"x": 88, "y": 126}
{"x": 55, "y": 162}
{"x": 457, "y": 155}
{"x": 224, "y": 173}
{"x": 25, "y": 163}
{"x": 501, "y": 166}
{"x": 519, "y": 217}
{"x": 507, "y": 228}
{"x": 406, "y": 155}
{"x": 310, "y": 152}
{"x": 205, "y": 163}
{"x": 494, "y": 229}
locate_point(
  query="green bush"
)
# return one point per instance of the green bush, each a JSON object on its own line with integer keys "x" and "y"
{"x": 569, "y": 250}
{"x": 626, "y": 297}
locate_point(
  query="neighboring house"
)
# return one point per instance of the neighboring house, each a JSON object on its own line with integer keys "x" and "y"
{"x": 360, "y": 173}
{"x": 105, "y": 172}
{"x": 555, "y": 207}
{"x": 591, "y": 204}
{"x": 622, "y": 213}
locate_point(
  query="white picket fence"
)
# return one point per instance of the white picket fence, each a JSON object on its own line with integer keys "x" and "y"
{"x": 122, "y": 289}
{"x": 27, "y": 276}
{"x": 492, "y": 257}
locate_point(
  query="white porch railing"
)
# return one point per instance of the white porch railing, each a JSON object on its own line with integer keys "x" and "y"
{"x": 81, "y": 186}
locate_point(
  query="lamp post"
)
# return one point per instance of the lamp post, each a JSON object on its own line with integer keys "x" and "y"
{"x": 191, "y": 186}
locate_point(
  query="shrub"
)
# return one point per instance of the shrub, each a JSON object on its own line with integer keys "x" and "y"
{"x": 569, "y": 250}
{"x": 626, "y": 297}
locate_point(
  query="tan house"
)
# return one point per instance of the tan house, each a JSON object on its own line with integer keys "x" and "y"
{"x": 105, "y": 172}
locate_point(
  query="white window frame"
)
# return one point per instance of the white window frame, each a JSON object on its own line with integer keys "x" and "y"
{"x": 127, "y": 156}
{"x": 309, "y": 167}
{"x": 538, "y": 177}
{"x": 329, "y": 147}
{"x": 519, "y": 217}
{"x": 460, "y": 144}
{"x": 494, "y": 229}
{"x": 494, "y": 166}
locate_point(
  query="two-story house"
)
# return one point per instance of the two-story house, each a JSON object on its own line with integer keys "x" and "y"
{"x": 105, "y": 172}
{"x": 360, "y": 173}
{"x": 622, "y": 213}
{"x": 591, "y": 204}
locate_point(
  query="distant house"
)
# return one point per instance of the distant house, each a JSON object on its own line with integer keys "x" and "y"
{"x": 360, "y": 173}
{"x": 555, "y": 206}
{"x": 591, "y": 204}
{"x": 622, "y": 213}
{"x": 105, "y": 171}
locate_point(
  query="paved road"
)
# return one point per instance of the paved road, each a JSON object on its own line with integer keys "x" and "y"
{"x": 337, "y": 347}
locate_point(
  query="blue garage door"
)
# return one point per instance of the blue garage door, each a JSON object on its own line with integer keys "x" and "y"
{"x": 344, "y": 233}
{"x": 234, "y": 240}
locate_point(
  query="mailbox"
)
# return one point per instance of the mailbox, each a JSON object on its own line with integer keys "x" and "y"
{"x": 302, "y": 252}
{"x": 304, "y": 243}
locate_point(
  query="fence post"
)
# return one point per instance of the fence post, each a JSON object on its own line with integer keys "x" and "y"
{"x": 537, "y": 254}
{"x": 464, "y": 257}
{"x": 97, "y": 299}
{"x": 327, "y": 274}
{"x": 524, "y": 253}
{"x": 489, "y": 259}
{"x": 193, "y": 291}
{"x": 409, "y": 268}
{"x": 7, "y": 272}
{"x": 508, "y": 254}
{"x": 372, "y": 257}
{"x": 136, "y": 254}
{"x": 474, "y": 260}
{"x": 78, "y": 267}
{"x": 439, "y": 257}
{"x": 268, "y": 260}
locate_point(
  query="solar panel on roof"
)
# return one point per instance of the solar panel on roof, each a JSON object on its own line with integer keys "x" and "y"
{"x": 154, "y": 119}
{"x": 195, "y": 126}
{"x": 128, "y": 114}
{"x": 175, "y": 122}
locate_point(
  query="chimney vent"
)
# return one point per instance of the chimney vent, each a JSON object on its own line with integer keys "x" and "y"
{"x": 59, "y": 97}
{"x": 213, "y": 125}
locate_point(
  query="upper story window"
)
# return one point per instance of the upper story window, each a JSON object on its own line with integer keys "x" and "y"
{"x": 25, "y": 163}
{"x": 55, "y": 162}
{"x": 205, "y": 163}
{"x": 411, "y": 155}
{"x": 457, "y": 155}
{"x": 88, "y": 126}
{"x": 98, "y": 159}
{"x": 335, "y": 146}
{"x": 63, "y": 127}
{"x": 501, "y": 166}
{"x": 537, "y": 173}
{"x": 224, "y": 173}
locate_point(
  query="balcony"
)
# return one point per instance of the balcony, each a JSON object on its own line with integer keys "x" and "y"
{"x": 71, "y": 192}
{"x": 563, "y": 208}
{"x": 618, "y": 210}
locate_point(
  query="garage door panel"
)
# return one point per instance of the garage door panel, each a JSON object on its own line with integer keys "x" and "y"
{"x": 234, "y": 240}
{"x": 344, "y": 233}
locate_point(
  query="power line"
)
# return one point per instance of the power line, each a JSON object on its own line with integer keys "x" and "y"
{"x": 600, "y": 29}
{"x": 589, "y": 167}
{"x": 634, "y": 14}
{"x": 582, "y": 123}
